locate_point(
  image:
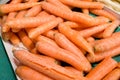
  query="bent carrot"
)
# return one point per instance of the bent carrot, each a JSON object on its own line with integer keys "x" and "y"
{"x": 61, "y": 54}
{"x": 33, "y": 33}
{"x": 45, "y": 65}
{"x": 33, "y": 11}
{"x": 83, "y": 4}
{"x": 29, "y": 22}
{"x": 103, "y": 13}
{"x": 76, "y": 38}
{"x": 101, "y": 55}
{"x": 93, "y": 30}
{"x": 102, "y": 45}
{"x": 6, "y": 8}
{"x": 72, "y": 16}
{"x": 101, "y": 70}
{"x": 109, "y": 30}
{"x": 113, "y": 75}
{"x": 27, "y": 42}
{"x": 25, "y": 72}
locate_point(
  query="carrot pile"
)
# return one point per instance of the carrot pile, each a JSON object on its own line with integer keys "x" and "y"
{"x": 60, "y": 42}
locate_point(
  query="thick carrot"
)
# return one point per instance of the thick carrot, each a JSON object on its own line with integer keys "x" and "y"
{"x": 33, "y": 11}
{"x": 59, "y": 4}
{"x": 29, "y": 22}
{"x": 83, "y": 4}
{"x": 44, "y": 28}
{"x": 27, "y": 42}
{"x": 26, "y": 73}
{"x": 68, "y": 45}
{"x": 61, "y": 54}
{"x": 113, "y": 75}
{"x": 102, "y": 69}
{"x": 107, "y": 43}
{"x": 109, "y": 30}
{"x": 6, "y": 8}
{"x": 72, "y": 16}
{"x": 103, "y": 13}
{"x": 45, "y": 65}
{"x": 76, "y": 38}
{"x": 101, "y": 55}
{"x": 43, "y": 13}
{"x": 93, "y": 30}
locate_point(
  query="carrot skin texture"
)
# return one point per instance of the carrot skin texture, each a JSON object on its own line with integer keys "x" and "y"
{"x": 101, "y": 70}
{"x": 25, "y": 72}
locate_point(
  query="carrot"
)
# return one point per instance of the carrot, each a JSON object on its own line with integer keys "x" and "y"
{"x": 113, "y": 75}
{"x": 76, "y": 38}
{"x": 90, "y": 39}
{"x": 107, "y": 43}
{"x": 83, "y": 4}
{"x": 101, "y": 70}
{"x": 60, "y": 54}
{"x": 101, "y": 55}
{"x": 93, "y": 30}
{"x": 43, "y": 13}
{"x": 98, "y": 35}
{"x": 109, "y": 30}
{"x": 72, "y": 16}
{"x": 29, "y": 22}
{"x": 45, "y": 65}
{"x": 59, "y": 4}
{"x": 46, "y": 39}
{"x": 33, "y": 11}
{"x": 118, "y": 65}
{"x": 30, "y": 1}
{"x": 27, "y": 42}
{"x": 68, "y": 45}
{"x": 34, "y": 51}
{"x": 44, "y": 27}
{"x": 25, "y": 72}
{"x": 103, "y": 13}
{"x": 15, "y": 1}
{"x": 6, "y": 8}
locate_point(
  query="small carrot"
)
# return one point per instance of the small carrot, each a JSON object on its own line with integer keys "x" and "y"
{"x": 93, "y": 30}
{"x": 101, "y": 55}
{"x": 107, "y": 43}
{"x": 72, "y": 16}
{"x": 29, "y": 22}
{"x": 60, "y": 54}
{"x": 44, "y": 28}
{"x": 83, "y": 4}
{"x": 44, "y": 64}
{"x": 43, "y": 13}
{"x": 33, "y": 11}
{"x": 27, "y": 42}
{"x": 59, "y": 4}
{"x": 109, "y": 30}
{"x": 101, "y": 70}
{"x": 113, "y": 75}
{"x": 103, "y": 13}
{"x": 6, "y": 8}
{"x": 76, "y": 38}
{"x": 26, "y": 73}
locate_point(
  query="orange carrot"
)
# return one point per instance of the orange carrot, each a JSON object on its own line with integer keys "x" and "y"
{"x": 109, "y": 30}
{"x": 83, "y": 4}
{"x": 44, "y": 64}
{"x": 30, "y": 1}
{"x": 76, "y": 38}
{"x": 59, "y": 4}
{"x": 107, "y": 43}
{"x": 29, "y": 22}
{"x": 103, "y": 13}
{"x": 98, "y": 35}
{"x": 72, "y": 16}
{"x": 43, "y": 13}
{"x": 101, "y": 70}
{"x": 34, "y": 51}
{"x": 25, "y": 72}
{"x": 27, "y": 42}
{"x": 15, "y": 1}
{"x": 101, "y": 55}
{"x": 113, "y": 75}
{"x": 90, "y": 39}
{"x": 93, "y": 30}
{"x": 44, "y": 28}
{"x": 61, "y": 54}
{"x": 118, "y": 65}
{"x": 33, "y": 11}
{"x": 6, "y": 8}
